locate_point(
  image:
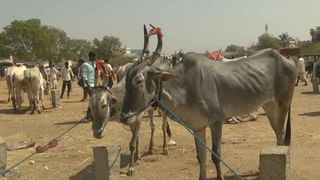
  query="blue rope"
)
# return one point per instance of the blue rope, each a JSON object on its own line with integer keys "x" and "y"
{"x": 163, "y": 106}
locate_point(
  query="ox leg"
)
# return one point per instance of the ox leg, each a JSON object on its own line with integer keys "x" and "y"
{"x": 37, "y": 99}
{"x": 133, "y": 146}
{"x": 201, "y": 153}
{"x": 152, "y": 126}
{"x": 216, "y": 131}
{"x": 164, "y": 131}
{"x": 19, "y": 100}
{"x": 276, "y": 116}
{"x": 31, "y": 103}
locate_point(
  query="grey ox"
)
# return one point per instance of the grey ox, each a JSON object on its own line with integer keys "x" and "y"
{"x": 103, "y": 100}
{"x": 204, "y": 92}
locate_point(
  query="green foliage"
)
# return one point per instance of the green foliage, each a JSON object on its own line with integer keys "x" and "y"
{"x": 312, "y": 48}
{"x": 315, "y": 34}
{"x": 235, "y": 48}
{"x": 285, "y": 39}
{"x": 76, "y": 48}
{"x": 268, "y": 41}
{"x": 117, "y": 61}
{"x": 22, "y": 38}
{"x": 3, "y": 50}
{"x": 104, "y": 47}
{"x": 30, "y": 40}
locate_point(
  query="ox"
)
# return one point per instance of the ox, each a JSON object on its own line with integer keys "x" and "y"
{"x": 100, "y": 104}
{"x": 35, "y": 86}
{"x": 17, "y": 85}
{"x": 204, "y": 92}
{"x": 122, "y": 70}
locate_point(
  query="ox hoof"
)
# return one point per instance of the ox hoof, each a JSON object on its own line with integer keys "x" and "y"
{"x": 131, "y": 171}
{"x": 165, "y": 151}
{"x": 150, "y": 151}
{"x": 172, "y": 143}
{"x": 137, "y": 163}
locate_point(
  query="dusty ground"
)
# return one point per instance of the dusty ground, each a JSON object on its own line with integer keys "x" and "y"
{"x": 72, "y": 159}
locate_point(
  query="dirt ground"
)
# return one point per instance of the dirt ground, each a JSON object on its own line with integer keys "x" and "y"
{"x": 73, "y": 157}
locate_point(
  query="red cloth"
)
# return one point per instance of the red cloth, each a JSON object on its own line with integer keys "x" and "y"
{"x": 156, "y": 30}
{"x": 99, "y": 64}
{"x": 215, "y": 55}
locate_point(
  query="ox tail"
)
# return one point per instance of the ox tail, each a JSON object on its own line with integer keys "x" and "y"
{"x": 288, "y": 128}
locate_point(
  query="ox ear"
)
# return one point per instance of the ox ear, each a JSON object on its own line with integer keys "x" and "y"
{"x": 161, "y": 74}
{"x": 113, "y": 99}
{"x": 167, "y": 75}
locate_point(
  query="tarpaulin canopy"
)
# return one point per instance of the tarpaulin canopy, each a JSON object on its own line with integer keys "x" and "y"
{"x": 215, "y": 55}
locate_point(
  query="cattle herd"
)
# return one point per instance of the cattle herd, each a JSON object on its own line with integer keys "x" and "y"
{"x": 29, "y": 80}
{"x": 202, "y": 92}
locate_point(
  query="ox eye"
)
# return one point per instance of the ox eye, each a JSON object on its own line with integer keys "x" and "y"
{"x": 103, "y": 105}
{"x": 139, "y": 79}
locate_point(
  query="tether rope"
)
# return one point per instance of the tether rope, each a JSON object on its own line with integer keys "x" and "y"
{"x": 179, "y": 120}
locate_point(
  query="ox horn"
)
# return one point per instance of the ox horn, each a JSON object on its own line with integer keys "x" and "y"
{"x": 157, "y": 31}
{"x": 145, "y": 43}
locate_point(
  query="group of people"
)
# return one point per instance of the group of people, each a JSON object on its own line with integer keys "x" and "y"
{"x": 94, "y": 73}
{"x": 91, "y": 73}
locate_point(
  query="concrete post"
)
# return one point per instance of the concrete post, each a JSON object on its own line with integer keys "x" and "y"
{"x": 315, "y": 85}
{"x": 106, "y": 162}
{"x": 55, "y": 98}
{"x": 274, "y": 163}
{"x": 3, "y": 154}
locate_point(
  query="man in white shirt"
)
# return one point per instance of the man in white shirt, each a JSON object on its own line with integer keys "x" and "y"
{"x": 67, "y": 76}
{"x": 301, "y": 71}
{"x": 53, "y": 76}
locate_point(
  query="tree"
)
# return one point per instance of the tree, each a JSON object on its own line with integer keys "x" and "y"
{"x": 234, "y": 48}
{"x": 315, "y": 34}
{"x": 285, "y": 39}
{"x": 3, "y": 50}
{"x": 104, "y": 47}
{"x": 21, "y": 38}
{"x": 77, "y": 48}
{"x": 268, "y": 41}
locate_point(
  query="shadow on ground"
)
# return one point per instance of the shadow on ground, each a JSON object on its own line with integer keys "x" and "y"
{"x": 4, "y": 102}
{"x": 310, "y": 93}
{"x": 88, "y": 172}
{"x": 246, "y": 176}
{"x": 10, "y": 111}
{"x": 312, "y": 114}
{"x": 70, "y": 122}
{"x": 85, "y": 174}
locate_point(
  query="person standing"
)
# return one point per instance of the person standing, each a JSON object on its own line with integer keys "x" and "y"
{"x": 53, "y": 76}
{"x": 80, "y": 80}
{"x": 67, "y": 76}
{"x": 301, "y": 71}
{"x": 108, "y": 75}
{"x": 88, "y": 73}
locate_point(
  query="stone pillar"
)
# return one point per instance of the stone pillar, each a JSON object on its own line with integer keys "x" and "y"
{"x": 315, "y": 85}
{"x": 274, "y": 163}
{"x": 106, "y": 162}
{"x": 55, "y": 98}
{"x": 3, "y": 154}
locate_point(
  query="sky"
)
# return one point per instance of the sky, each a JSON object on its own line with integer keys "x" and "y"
{"x": 191, "y": 25}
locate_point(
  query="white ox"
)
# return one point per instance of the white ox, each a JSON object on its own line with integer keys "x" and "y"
{"x": 35, "y": 85}
{"x": 15, "y": 77}
{"x": 20, "y": 79}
